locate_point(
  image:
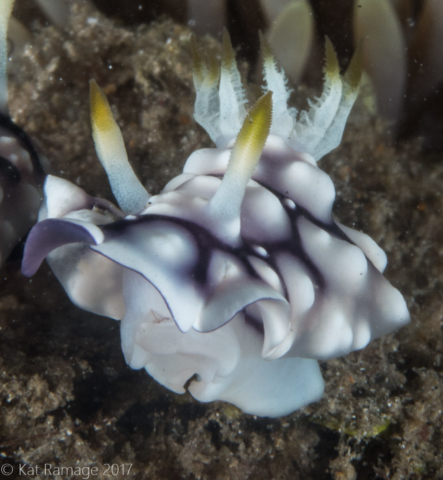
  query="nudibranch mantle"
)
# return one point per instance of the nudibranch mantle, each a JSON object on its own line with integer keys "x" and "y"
{"x": 236, "y": 276}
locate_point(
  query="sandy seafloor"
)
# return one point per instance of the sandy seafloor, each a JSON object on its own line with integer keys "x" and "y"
{"x": 67, "y": 397}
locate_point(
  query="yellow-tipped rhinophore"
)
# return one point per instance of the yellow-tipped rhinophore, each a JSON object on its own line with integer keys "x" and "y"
{"x": 103, "y": 123}
{"x": 5, "y": 14}
{"x": 248, "y": 147}
{"x": 251, "y": 138}
{"x": 332, "y": 68}
{"x": 127, "y": 189}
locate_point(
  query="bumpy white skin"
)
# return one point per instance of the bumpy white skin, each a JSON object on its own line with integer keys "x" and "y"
{"x": 245, "y": 315}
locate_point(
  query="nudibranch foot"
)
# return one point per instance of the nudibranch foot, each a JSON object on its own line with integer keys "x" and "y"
{"x": 126, "y": 187}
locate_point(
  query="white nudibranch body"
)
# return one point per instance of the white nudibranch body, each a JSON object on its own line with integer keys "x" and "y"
{"x": 236, "y": 275}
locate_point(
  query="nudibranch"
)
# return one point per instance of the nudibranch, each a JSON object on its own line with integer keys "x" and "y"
{"x": 21, "y": 172}
{"x": 236, "y": 279}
